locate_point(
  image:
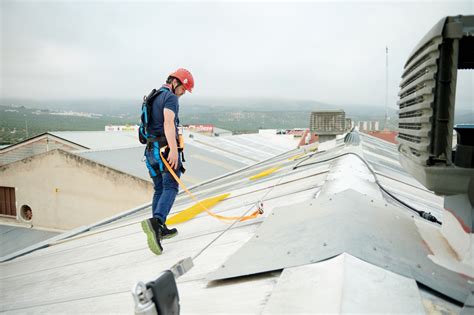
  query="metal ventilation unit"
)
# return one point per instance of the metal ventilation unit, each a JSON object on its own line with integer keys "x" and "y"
{"x": 426, "y": 115}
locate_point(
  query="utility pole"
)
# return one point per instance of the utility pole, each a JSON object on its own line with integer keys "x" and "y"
{"x": 386, "y": 88}
{"x": 26, "y": 126}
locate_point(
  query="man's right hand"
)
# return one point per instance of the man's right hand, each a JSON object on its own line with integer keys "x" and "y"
{"x": 173, "y": 159}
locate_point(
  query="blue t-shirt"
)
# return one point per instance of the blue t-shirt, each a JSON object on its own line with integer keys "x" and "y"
{"x": 166, "y": 99}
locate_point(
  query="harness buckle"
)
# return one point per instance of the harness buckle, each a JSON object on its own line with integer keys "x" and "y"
{"x": 260, "y": 207}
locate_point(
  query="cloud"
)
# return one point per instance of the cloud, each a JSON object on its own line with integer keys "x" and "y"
{"x": 330, "y": 52}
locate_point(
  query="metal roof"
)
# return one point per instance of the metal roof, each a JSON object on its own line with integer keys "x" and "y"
{"x": 127, "y": 160}
{"x": 15, "y": 238}
{"x": 206, "y": 157}
{"x": 327, "y": 227}
{"x": 203, "y": 162}
{"x": 200, "y": 163}
{"x": 99, "y": 139}
{"x": 39, "y": 137}
{"x": 245, "y": 148}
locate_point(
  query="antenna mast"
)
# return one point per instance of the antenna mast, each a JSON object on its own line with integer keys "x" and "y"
{"x": 386, "y": 88}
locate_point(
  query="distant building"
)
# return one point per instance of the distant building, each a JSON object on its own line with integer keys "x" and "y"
{"x": 77, "y": 114}
{"x": 64, "y": 190}
{"x": 296, "y": 132}
{"x": 348, "y": 123}
{"x": 61, "y": 190}
{"x": 328, "y": 122}
{"x": 200, "y": 128}
{"x": 67, "y": 141}
{"x": 122, "y": 128}
{"x": 209, "y": 130}
{"x": 369, "y": 125}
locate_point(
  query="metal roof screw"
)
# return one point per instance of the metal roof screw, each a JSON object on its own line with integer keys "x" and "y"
{"x": 324, "y": 244}
{"x": 256, "y": 236}
{"x": 375, "y": 249}
{"x": 419, "y": 266}
{"x": 372, "y": 200}
{"x": 223, "y": 266}
{"x": 288, "y": 253}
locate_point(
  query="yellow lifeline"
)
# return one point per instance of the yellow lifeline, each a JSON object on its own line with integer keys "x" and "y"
{"x": 217, "y": 216}
{"x": 196, "y": 209}
{"x": 295, "y": 157}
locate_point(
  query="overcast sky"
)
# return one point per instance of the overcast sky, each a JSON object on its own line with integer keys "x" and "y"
{"x": 331, "y": 52}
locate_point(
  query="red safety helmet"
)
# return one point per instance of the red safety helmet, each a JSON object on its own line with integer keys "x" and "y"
{"x": 185, "y": 77}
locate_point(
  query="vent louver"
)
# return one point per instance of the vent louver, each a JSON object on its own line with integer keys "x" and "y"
{"x": 416, "y": 100}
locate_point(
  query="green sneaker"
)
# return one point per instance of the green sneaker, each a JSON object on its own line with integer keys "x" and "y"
{"x": 152, "y": 229}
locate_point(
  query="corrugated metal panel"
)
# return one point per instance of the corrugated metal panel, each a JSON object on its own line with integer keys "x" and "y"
{"x": 343, "y": 284}
{"x": 248, "y": 148}
{"x": 365, "y": 227}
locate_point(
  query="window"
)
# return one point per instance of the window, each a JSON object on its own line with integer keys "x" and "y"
{"x": 7, "y": 201}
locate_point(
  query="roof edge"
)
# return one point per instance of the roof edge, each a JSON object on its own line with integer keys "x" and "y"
{"x": 13, "y": 146}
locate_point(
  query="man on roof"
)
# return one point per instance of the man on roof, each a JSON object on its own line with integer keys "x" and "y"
{"x": 162, "y": 129}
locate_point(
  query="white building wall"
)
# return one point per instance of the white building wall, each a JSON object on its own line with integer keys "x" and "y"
{"x": 66, "y": 191}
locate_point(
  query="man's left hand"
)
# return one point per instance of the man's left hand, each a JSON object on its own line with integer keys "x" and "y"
{"x": 173, "y": 158}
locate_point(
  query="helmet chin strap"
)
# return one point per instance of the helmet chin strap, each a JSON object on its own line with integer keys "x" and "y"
{"x": 173, "y": 88}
